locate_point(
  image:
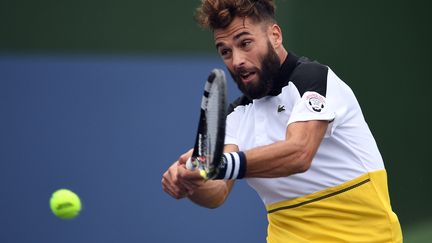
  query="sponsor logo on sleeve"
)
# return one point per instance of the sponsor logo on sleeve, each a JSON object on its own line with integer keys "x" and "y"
{"x": 315, "y": 102}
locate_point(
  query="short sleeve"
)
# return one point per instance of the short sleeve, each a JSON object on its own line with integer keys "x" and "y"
{"x": 311, "y": 106}
{"x": 310, "y": 80}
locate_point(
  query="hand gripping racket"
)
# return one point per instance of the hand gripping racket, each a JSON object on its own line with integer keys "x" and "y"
{"x": 210, "y": 137}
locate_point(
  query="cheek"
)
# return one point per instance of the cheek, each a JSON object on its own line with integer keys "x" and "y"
{"x": 257, "y": 60}
{"x": 228, "y": 64}
{"x": 256, "y": 55}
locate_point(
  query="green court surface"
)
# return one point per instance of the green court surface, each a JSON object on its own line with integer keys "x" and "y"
{"x": 420, "y": 233}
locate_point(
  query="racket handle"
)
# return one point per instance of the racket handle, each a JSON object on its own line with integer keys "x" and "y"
{"x": 189, "y": 165}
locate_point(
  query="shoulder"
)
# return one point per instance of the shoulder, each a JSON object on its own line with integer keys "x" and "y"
{"x": 241, "y": 101}
{"x": 310, "y": 76}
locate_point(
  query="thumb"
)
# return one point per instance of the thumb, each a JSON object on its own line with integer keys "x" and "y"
{"x": 184, "y": 157}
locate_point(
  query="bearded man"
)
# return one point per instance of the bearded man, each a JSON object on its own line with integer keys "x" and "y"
{"x": 297, "y": 134}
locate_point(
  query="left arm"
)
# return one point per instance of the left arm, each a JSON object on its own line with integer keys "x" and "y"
{"x": 291, "y": 156}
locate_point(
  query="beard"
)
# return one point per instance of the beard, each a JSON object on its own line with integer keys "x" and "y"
{"x": 270, "y": 66}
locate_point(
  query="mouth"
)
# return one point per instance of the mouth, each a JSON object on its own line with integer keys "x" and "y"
{"x": 247, "y": 76}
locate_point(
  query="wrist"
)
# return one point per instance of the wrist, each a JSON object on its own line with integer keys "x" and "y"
{"x": 232, "y": 166}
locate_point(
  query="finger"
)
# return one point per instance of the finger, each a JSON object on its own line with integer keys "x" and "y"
{"x": 188, "y": 186}
{"x": 185, "y": 174}
{"x": 171, "y": 181}
{"x": 189, "y": 180}
{"x": 174, "y": 192}
{"x": 177, "y": 187}
{"x": 189, "y": 190}
{"x": 184, "y": 157}
{"x": 193, "y": 176}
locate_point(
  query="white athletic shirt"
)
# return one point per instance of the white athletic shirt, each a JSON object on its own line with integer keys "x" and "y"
{"x": 307, "y": 91}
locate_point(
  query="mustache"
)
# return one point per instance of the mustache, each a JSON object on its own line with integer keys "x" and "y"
{"x": 242, "y": 70}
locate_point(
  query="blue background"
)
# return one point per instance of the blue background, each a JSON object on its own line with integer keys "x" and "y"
{"x": 107, "y": 128}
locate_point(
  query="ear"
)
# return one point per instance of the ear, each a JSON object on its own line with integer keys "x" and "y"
{"x": 275, "y": 35}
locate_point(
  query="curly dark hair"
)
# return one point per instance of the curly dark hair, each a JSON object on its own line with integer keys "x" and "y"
{"x": 215, "y": 14}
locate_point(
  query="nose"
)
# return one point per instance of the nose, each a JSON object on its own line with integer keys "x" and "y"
{"x": 238, "y": 59}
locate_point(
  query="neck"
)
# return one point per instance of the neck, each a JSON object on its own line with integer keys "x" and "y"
{"x": 282, "y": 53}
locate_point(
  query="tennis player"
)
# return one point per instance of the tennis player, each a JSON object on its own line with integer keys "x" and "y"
{"x": 297, "y": 135}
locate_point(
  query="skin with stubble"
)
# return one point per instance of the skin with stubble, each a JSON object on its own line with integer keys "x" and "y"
{"x": 269, "y": 68}
{"x": 251, "y": 59}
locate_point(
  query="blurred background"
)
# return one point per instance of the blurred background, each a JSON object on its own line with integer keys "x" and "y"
{"x": 100, "y": 97}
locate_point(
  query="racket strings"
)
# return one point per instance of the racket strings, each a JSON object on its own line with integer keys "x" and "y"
{"x": 213, "y": 115}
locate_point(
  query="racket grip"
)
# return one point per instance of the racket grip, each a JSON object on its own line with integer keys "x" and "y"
{"x": 189, "y": 165}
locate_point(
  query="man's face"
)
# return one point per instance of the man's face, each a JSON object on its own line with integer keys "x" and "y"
{"x": 249, "y": 56}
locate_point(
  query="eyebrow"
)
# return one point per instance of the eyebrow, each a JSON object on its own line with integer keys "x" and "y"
{"x": 236, "y": 37}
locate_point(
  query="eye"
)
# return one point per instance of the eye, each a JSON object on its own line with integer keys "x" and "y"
{"x": 224, "y": 52}
{"x": 245, "y": 43}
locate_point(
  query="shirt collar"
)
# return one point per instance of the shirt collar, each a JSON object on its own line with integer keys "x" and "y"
{"x": 285, "y": 72}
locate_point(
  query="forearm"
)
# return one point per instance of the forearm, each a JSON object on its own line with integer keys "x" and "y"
{"x": 291, "y": 156}
{"x": 280, "y": 159}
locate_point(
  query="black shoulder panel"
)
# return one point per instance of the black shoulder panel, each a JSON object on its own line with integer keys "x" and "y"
{"x": 310, "y": 76}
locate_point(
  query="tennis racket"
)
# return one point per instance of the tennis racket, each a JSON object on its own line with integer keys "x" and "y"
{"x": 210, "y": 137}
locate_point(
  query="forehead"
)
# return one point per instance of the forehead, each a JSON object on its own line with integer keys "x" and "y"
{"x": 237, "y": 26}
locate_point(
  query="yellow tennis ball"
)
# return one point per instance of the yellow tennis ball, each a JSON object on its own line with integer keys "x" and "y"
{"x": 65, "y": 204}
{"x": 203, "y": 174}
